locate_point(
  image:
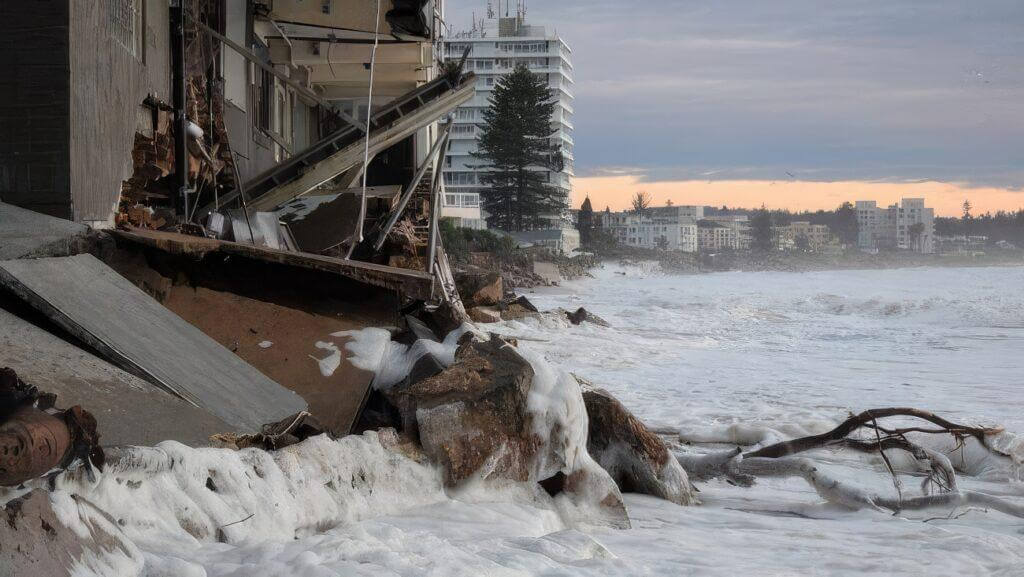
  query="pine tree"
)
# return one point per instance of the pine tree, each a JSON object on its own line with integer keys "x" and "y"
{"x": 845, "y": 224}
{"x": 761, "y": 234}
{"x": 514, "y": 144}
{"x": 585, "y": 221}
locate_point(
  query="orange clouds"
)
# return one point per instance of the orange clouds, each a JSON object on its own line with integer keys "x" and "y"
{"x": 946, "y": 198}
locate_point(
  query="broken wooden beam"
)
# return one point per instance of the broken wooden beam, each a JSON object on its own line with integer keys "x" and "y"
{"x": 411, "y": 284}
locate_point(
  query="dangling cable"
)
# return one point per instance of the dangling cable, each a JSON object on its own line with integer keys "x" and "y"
{"x": 357, "y": 237}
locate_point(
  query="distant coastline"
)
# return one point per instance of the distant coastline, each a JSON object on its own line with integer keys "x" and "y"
{"x": 689, "y": 263}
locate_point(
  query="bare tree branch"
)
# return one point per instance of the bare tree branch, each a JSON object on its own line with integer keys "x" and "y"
{"x": 865, "y": 418}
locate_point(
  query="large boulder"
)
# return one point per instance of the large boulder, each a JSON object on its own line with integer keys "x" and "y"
{"x": 473, "y": 412}
{"x": 637, "y": 459}
{"x": 490, "y": 416}
{"x": 479, "y": 287}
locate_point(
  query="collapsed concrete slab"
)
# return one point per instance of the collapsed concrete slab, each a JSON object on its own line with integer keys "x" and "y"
{"x": 26, "y": 233}
{"x": 128, "y": 410}
{"x": 321, "y": 221}
{"x": 107, "y": 312}
{"x": 288, "y": 322}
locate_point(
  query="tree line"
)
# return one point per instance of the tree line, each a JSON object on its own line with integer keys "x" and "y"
{"x": 1001, "y": 225}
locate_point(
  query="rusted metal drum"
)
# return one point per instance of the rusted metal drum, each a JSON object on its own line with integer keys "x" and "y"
{"x": 32, "y": 442}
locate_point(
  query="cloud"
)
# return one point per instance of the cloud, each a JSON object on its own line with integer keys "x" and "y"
{"x": 893, "y": 90}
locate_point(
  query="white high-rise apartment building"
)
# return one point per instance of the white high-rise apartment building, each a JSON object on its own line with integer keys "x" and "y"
{"x": 894, "y": 226}
{"x": 496, "y": 45}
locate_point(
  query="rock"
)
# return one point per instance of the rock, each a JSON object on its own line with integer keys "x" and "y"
{"x": 484, "y": 315}
{"x": 444, "y": 318}
{"x": 581, "y": 314}
{"x": 479, "y": 287}
{"x": 518, "y": 308}
{"x": 420, "y": 328}
{"x": 637, "y": 459}
{"x": 523, "y": 302}
{"x": 517, "y": 312}
{"x": 377, "y": 414}
{"x": 34, "y": 541}
{"x": 425, "y": 367}
{"x": 481, "y": 418}
{"x": 473, "y": 411}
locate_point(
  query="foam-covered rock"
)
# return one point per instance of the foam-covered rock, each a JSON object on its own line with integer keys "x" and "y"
{"x": 637, "y": 459}
{"x": 35, "y": 540}
{"x": 495, "y": 414}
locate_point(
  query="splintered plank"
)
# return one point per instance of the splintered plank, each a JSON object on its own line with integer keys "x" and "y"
{"x": 107, "y": 312}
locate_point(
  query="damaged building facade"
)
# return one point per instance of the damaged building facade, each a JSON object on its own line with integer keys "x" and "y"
{"x": 233, "y": 183}
{"x": 261, "y": 81}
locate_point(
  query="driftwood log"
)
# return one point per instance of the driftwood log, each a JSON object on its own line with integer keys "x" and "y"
{"x": 939, "y": 488}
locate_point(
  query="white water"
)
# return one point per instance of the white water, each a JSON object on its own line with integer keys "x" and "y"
{"x": 754, "y": 357}
{"x": 743, "y": 357}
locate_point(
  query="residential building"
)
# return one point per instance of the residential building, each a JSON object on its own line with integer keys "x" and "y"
{"x": 907, "y": 225}
{"x": 724, "y": 232}
{"x": 714, "y": 236}
{"x": 496, "y": 45}
{"x": 463, "y": 208}
{"x": 279, "y": 73}
{"x": 796, "y": 233}
{"x": 665, "y": 227}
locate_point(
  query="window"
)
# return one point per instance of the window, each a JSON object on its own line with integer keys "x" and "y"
{"x": 462, "y": 199}
{"x": 459, "y": 178}
{"x": 263, "y": 90}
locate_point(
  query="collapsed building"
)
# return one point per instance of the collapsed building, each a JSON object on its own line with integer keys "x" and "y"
{"x": 219, "y": 225}
{"x": 191, "y": 193}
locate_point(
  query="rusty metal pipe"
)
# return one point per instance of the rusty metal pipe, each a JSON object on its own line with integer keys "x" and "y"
{"x": 32, "y": 442}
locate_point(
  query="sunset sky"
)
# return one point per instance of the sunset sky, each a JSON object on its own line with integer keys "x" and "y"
{"x": 712, "y": 102}
{"x": 946, "y": 198}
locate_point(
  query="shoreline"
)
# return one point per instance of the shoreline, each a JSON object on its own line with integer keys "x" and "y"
{"x": 672, "y": 263}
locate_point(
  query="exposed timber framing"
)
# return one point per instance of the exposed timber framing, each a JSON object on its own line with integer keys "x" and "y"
{"x": 411, "y": 188}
